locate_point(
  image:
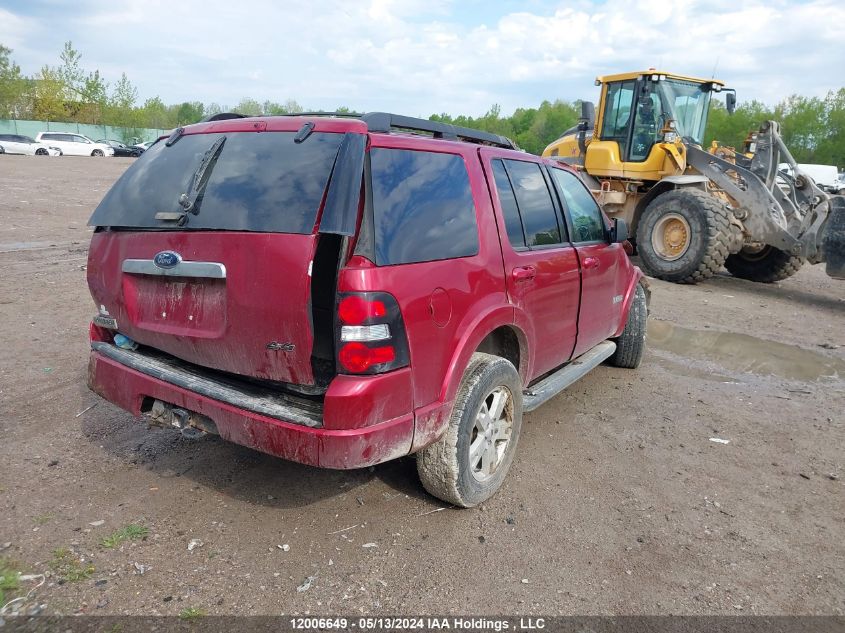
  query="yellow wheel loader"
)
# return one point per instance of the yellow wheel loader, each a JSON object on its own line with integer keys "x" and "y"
{"x": 692, "y": 211}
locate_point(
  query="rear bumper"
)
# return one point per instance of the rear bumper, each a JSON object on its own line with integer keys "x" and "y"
{"x": 327, "y": 448}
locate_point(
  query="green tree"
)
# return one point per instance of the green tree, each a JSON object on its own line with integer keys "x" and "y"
{"x": 189, "y": 112}
{"x": 14, "y": 87}
{"x": 49, "y": 96}
{"x": 249, "y": 107}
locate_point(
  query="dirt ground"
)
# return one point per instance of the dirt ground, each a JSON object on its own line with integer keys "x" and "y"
{"x": 618, "y": 501}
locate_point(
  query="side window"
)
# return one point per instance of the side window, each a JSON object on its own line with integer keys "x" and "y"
{"x": 508, "y": 203}
{"x": 617, "y": 114}
{"x": 67, "y": 138}
{"x": 539, "y": 218}
{"x": 587, "y": 221}
{"x": 50, "y": 137}
{"x": 423, "y": 209}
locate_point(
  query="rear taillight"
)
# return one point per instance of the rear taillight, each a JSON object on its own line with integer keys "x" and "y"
{"x": 370, "y": 333}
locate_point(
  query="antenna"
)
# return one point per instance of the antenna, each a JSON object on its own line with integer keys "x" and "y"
{"x": 715, "y": 66}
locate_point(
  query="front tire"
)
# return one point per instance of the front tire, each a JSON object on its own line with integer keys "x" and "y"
{"x": 467, "y": 465}
{"x": 98, "y": 153}
{"x": 41, "y": 152}
{"x": 765, "y": 265}
{"x": 631, "y": 344}
{"x": 684, "y": 235}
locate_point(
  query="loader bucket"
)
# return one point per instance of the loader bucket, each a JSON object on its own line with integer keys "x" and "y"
{"x": 834, "y": 238}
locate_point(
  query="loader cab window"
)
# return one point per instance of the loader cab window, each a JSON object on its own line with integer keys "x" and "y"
{"x": 617, "y": 114}
{"x": 647, "y": 125}
{"x": 688, "y": 103}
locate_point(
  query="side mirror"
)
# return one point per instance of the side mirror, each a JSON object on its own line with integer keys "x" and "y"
{"x": 619, "y": 231}
{"x": 588, "y": 114}
{"x": 730, "y": 102}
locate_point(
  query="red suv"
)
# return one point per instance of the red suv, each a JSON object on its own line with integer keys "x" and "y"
{"x": 345, "y": 291}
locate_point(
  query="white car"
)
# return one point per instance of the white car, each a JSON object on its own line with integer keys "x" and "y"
{"x": 73, "y": 144}
{"x": 20, "y": 144}
{"x": 145, "y": 145}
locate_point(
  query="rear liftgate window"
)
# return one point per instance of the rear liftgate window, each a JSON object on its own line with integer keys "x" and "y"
{"x": 423, "y": 208}
{"x": 252, "y": 182}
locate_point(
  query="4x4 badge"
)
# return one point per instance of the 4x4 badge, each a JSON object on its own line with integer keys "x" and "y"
{"x": 167, "y": 259}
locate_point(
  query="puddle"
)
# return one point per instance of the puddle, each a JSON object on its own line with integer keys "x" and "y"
{"x": 693, "y": 372}
{"x": 743, "y": 353}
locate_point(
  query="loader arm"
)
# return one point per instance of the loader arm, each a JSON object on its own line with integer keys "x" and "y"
{"x": 776, "y": 209}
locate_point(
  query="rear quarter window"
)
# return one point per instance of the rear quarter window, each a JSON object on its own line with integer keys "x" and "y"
{"x": 423, "y": 209}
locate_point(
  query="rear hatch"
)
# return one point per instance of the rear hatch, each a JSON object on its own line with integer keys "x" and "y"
{"x": 204, "y": 248}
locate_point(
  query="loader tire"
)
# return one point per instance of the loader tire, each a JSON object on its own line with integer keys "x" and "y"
{"x": 765, "y": 265}
{"x": 834, "y": 241}
{"x": 684, "y": 236}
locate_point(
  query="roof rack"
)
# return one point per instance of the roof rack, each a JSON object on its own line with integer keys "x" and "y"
{"x": 222, "y": 116}
{"x": 385, "y": 122}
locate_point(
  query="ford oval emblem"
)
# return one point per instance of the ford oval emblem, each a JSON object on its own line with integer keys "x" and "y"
{"x": 167, "y": 259}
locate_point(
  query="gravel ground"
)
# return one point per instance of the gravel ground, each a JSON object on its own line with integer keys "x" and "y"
{"x": 618, "y": 501}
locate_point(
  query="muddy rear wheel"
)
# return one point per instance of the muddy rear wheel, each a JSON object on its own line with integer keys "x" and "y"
{"x": 467, "y": 465}
{"x": 764, "y": 263}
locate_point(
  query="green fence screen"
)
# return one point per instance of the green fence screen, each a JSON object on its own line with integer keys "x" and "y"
{"x": 94, "y": 132}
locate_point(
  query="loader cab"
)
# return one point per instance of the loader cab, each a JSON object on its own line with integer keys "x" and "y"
{"x": 643, "y": 117}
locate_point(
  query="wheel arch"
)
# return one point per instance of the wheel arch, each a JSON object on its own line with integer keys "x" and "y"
{"x": 493, "y": 332}
{"x": 493, "y": 327}
{"x": 669, "y": 183}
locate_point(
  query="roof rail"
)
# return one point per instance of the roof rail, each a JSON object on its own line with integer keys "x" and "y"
{"x": 384, "y": 122}
{"x": 222, "y": 116}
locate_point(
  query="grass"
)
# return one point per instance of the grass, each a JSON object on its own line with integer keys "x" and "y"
{"x": 131, "y": 532}
{"x": 43, "y": 519}
{"x": 9, "y": 580}
{"x": 191, "y": 613}
{"x": 68, "y": 567}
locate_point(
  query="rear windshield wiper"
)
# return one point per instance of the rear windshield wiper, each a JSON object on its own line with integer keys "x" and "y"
{"x": 199, "y": 180}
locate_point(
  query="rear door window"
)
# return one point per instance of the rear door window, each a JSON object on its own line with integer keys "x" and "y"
{"x": 539, "y": 218}
{"x": 259, "y": 182}
{"x": 507, "y": 201}
{"x": 423, "y": 208}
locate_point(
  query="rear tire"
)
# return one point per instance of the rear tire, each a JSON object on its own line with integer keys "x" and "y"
{"x": 631, "y": 344}
{"x": 98, "y": 153}
{"x": 467, "y": 465}
{"x": 765, "y": 265}
{"x": 684, "y": 235}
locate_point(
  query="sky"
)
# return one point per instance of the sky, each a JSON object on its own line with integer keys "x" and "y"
{"x": 420, "y": 57}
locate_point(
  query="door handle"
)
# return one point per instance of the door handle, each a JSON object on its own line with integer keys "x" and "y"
{"x": 524, "y": 273}
{"x": 591, "y": 262}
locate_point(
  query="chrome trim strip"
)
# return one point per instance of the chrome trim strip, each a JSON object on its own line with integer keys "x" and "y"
{"x": 209, "y": 270}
